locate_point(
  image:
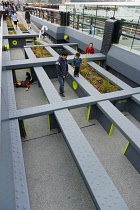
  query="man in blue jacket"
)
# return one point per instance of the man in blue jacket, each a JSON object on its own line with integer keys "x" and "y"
{"x": 62, "y": 71}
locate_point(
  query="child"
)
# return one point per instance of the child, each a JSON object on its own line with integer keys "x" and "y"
{"x": 29, "y": 78}
{"x": 43, "y": 32}
{"x": 76, "y": 64}
{"x": 25, "y": 83}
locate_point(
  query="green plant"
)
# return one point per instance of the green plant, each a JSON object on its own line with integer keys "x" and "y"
{"x": 9, "y": 23}
{"x": 85, "y": 64}
{"x": 105, "y": 87}
{"x": 94, "y": 82}
{"x": 40, "y": 52}
{"x": 97, "y": 78}
{"x": 12, "y": 32}
{"x": 85, "y": 72}
{"x": 22, "y": 27}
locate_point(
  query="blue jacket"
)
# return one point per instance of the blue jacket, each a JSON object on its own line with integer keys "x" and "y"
{"x": 77, "y": 62}
{"x": 61, "y": 67}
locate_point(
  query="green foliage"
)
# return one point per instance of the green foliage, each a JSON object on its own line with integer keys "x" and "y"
{"x": 85, "y": 60}
{"x": 22, "y": 27}
{"x": 105, "y": 86}
{"x": 9, "y": 23}
{"x": 97, "y": 78}
{"x": 40, "y": 52}
{"x": 85, "y": 72}
{"x": 12, "y": 32}
{"x": 94, "y": 82}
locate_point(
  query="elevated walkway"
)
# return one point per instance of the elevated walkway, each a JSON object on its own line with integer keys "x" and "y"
{"x": 54, "y": 181}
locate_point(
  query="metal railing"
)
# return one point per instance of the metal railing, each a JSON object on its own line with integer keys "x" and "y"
{"x": 52, "y": 15}
{"x": 93, "y": 24}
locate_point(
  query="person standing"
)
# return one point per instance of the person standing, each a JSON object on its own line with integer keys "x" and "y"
{"x": 14, "y": 18}
{"x": 62, "y": 71}
{"x": 76, "y": 64}
{"x": 8, "y": 11}
{"x": 1, "y": 7}
{"x": 90, "y": 49}
{"x": 27, "y": 18}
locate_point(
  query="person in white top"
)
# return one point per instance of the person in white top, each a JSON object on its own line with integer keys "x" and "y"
{"x": 14, "y": 18}
{"x": 43, "y": 32}
{"x": 1, "y": 7}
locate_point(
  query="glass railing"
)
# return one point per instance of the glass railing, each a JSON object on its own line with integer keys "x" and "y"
{"x": 93, "y": 18}
{"x": 90, "y": 19}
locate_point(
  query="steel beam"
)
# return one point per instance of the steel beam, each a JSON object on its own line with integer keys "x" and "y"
{"x": 17, "y": 64}
{"x": 96, "y": 178}
{"x": 70, "y": 104}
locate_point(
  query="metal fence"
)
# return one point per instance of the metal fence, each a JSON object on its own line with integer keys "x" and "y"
{"x": 91, "y": 20}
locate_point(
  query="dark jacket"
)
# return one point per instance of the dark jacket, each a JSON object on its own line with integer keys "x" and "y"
{"x": 27, "y": 15}
{"x": 62, "y": 67}
{"x": 77, "y": 62}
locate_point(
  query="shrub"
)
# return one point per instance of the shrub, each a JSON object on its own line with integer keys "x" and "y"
{"x": 12, "y": 32}
{"x": 9, "y": 23}
{"x": 40, "y": 52}
{"x": 105, "y": 87}
{"x": 22, "y": 27}
{"x": 85, "y": 72}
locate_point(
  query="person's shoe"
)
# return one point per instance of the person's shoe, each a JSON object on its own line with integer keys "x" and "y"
{"x": 62, "y": 94}
{"x": 74, "y": 75}
{"x": 77, "y": 75}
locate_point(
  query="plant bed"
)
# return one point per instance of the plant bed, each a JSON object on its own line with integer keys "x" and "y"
{"x": 9, "y": 23}
{"x": 100, "y": 83}
{"x": 40, "y": 52}
{"x": 22, "y": 27}
{"x": 11, "y": 31}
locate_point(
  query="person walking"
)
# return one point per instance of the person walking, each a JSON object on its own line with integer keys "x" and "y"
{"x": 62, "y": 71}
{"x": 14, "y": 18}
{"x": 27, "y": 18}
{"x": 9, "y": 12}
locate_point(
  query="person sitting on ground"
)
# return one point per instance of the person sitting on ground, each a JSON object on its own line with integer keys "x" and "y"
{"x": 90, "y": 49}
{"x": 25, "y": 83}
{"x": 76, "y": 64}
{"x": 43, "y": 32}
{"x": 29, "y": 77}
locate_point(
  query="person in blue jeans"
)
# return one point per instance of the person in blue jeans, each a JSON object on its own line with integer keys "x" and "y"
{"x": 76, "y": 64}
{"x": 62, "y": 71}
